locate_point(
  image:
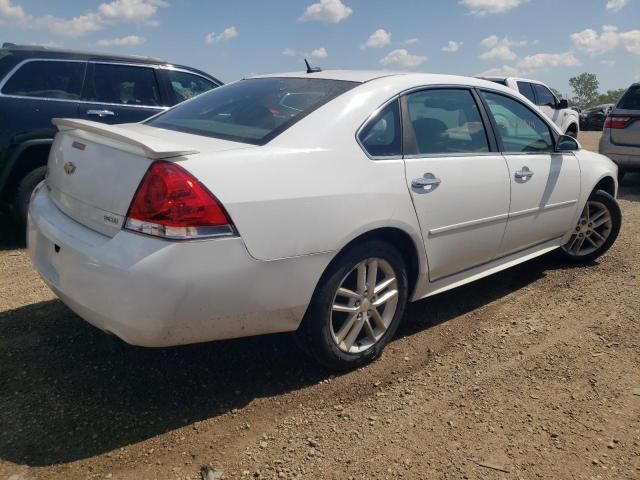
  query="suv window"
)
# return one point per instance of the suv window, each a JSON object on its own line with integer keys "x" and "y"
{"x": 520, "y": 129}
{"x": 47, "y": 79}
{"x": 251, "y": 111}
{"x": 187, "y": 85}
{"x": 631, "y": 99}
{"x": 545, "y": 97}
{"x": 380, "y": 136}
{"x": 526, "y": 89}
{"x": 446, "y": 121}
{"x": 123, "y": 84}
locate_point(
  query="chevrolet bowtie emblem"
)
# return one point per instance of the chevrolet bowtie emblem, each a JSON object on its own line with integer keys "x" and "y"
{"x": 69, "y": 168}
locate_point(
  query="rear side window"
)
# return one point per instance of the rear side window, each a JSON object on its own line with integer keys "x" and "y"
{"x": 47, "y": 79}
{"x": 380, "y": 136}
{"x": 526, "y": 89}
{"x": 519, "y": 128}
{"x": 251, "y": 111}
{"x": 631, "y": 99}
{"x": 446, "y": 122}
{"x": 187, "y": 85}
{"x": 123, "y": 84}
{"x": 545, "y": 97}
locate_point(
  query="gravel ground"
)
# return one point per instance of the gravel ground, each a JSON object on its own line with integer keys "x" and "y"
{"x": 527, "y": 374}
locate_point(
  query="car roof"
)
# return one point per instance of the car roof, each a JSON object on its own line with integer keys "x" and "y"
{"x": 494, "y": 78}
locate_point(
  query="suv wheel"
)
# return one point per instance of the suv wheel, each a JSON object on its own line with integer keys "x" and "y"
{"x": 23, "y": 194}
{"x": 357, "y": 307}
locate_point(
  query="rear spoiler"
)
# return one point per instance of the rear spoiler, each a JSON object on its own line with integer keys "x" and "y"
{"x": 153, "y": 147}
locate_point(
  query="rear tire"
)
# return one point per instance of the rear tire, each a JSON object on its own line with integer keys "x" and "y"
{"x": 621, "y": 173}
{"x": 572, "y": 132}
{"x": 354, "y": 313}
{"x": 23, "y": 193}
{"x": 597, "y": 229}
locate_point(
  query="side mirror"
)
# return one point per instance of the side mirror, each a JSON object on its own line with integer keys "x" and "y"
{"x": 567, "y": 144}
{"x": 562, "y": 104}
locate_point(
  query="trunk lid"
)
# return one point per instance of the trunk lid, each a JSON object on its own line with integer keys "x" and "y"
{"x": 94, "y": 169}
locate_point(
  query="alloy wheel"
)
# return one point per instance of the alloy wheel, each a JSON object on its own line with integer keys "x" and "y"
{"x": 364, "y": 305}
{"x": 592, "y": 231}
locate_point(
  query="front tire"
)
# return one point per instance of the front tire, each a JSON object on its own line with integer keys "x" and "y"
{"x": 357, "y": 306}
{"x": 597, "y": 229}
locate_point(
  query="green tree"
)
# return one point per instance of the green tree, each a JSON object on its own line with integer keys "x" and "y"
{"x": 557, "y": 93}
{"x": 612, "y": 96}
{"x": 585, "y": 89}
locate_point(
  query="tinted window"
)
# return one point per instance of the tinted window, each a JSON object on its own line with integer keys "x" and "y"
{"x": 47, "y": 80}
{"x": 186, "y": 85}
{"x": 527, "y": 90}
{"x": 381, "y": 137}
{"x": 123, "y": 84}
{"x": 446, "y": 121}
{"x": 520, "y": 129}
{"x": 251, "y": 111}
{"x": 545, "y": 97}
{"x": 631, "y": 99}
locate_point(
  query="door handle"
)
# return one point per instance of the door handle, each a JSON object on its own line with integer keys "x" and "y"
{"x": 524, "y": 174}
{"x": 426, "y": 183}
{"x": 101, "y": 113}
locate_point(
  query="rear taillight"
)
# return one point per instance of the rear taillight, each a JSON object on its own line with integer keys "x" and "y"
{"x": 171, "y": 203}
{"x": 618, "y": 122}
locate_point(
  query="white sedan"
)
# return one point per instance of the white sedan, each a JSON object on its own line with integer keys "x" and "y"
{"x": 319, "y": 202}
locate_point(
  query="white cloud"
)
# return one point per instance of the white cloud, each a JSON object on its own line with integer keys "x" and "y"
{"x": 117, "y": 11}
{"x": 484, "y": 7}
{"x": 615, "y": 5}
{"x": 411, "y": 41}
{"x": 500, "y": 49}
{"x": 226, "y": 35}
{"x": 402, "y": 58}
{"x": 128, "y": 41}
{"x": 378, "y": 39}
{"x": 330, "y": 11}
{"x": 452, "y": 46}
{"x": 608, "y": 40}
{"x": 289, "y": 52}
{"x": 531, "y": 63}
{"x": 504, "y": 71}
{"x": 318, "y": 54}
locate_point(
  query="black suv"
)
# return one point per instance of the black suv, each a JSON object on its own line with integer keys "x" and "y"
{"x": 38, "y": 84}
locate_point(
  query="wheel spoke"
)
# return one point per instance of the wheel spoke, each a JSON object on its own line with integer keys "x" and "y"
{"x": 368, "y": 329}
{"x": 598, "y": 215}
{"x": 377, "y": 318}
{"x": 372, "y": 273}
{"x": 585, "y": 213}
{"x": 346, "y": 327}
{"x": 344, "y": 308}
{"x": 578, "y": 245}
{"x": 345, "y": 292}
{"x": 353, "y": 333}
{"x": 383, "y": 284}
{"x": 362, "y": 277}
{"x": 597, "y": 234}
{"x": 572, "y": 241}
{"x": 601, "y": 222}
{"x": 385, "y": 298}
{"x": 592, "y": 242}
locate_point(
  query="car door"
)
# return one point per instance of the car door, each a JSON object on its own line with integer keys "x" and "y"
{"x": 546, "y": 102}
{"x": 458, "y": 181}
{"x": 545, "y": 185}
{"x": 120, "y": 93}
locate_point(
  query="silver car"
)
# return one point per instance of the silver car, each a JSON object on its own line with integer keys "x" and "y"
{"x": 621, "y": 134}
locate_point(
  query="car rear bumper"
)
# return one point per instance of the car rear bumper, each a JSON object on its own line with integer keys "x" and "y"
{"x": 623, "y": 155}
{"x": 155, "y": 293}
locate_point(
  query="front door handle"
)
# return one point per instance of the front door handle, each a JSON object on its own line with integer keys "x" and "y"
{"x": 524, "y": 174}
{"x": 426, "y": 183}
{"x": 101, "y": 113}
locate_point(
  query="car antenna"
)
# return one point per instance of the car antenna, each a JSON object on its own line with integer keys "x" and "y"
{"x": 311, "y": 69}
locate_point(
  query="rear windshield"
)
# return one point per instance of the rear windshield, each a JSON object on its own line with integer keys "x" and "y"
{"x": 251, "y": 111}
{"x": 631, "y": 99}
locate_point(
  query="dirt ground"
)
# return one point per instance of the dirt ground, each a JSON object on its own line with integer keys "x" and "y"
{"x": 527, "y": 374}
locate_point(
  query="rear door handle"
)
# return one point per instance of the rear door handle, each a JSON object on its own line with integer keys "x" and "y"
{"x": 101, "y": 113}
{"x": 426, "y": 183}
{"x": 524, "y": 174}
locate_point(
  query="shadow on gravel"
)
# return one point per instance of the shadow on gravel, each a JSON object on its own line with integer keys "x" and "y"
{"x": 630, "y": 187}
{"x": 12, "y": 236}
{"x": 72, "y": 392}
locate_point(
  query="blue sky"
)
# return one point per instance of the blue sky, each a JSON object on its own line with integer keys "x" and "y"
{"x": 550, "y": 40}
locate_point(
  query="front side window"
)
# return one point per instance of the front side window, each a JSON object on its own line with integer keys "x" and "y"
{"x": 123, "y": 84}
{"x": 47, "y": 79}
{"x": 631, "y": 99}
{"x": 545, "y": 97}
{"x": 187, "y": 85}
{"x": 380, "y": 136}
{"x": 446, "y": 121}
{"x": 526, "y": 89}
{"x": 519, "y": 128}
{"x": 251, "y": 111}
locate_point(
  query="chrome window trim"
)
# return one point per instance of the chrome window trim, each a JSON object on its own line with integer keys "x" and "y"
{"x": 171, "y": 68}
{"x": 395, "y": 98}
{"x": 451, "y": 155}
